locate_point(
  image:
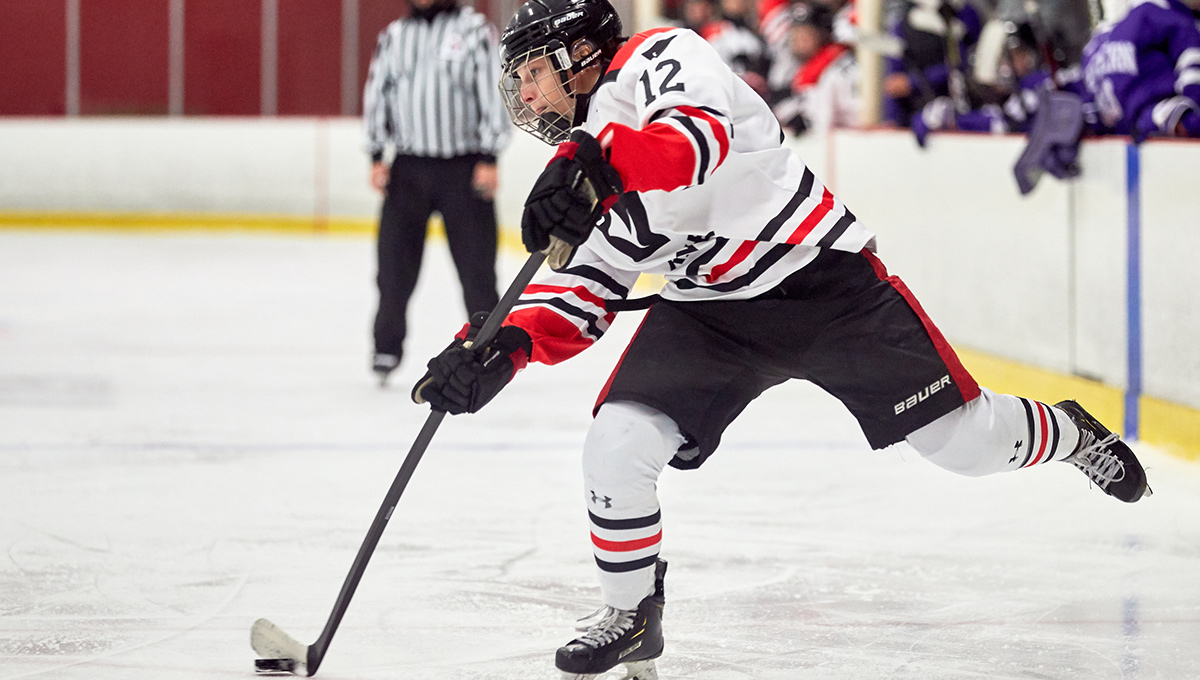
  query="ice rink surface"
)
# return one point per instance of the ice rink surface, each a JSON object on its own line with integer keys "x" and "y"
{"x": 190, "y": 439}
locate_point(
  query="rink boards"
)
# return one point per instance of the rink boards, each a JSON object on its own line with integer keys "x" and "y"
{"x": 1042, "y": 282}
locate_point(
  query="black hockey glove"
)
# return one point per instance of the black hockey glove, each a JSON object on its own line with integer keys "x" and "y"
{"x": 575, "y": 189}
{"x": 462, "y": 379}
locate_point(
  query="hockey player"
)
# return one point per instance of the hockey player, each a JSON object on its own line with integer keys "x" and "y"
{"x": 669, "y": 163}
{"x": 739, "y": 46}
{"x": 939, "y": 37}
{"x": 824, "y": 92}
{"x": 1144, "y": 71}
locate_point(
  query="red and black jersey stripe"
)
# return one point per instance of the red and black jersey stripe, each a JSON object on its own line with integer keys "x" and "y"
{"x": 593, "y": 274}
{"x": 562, "y": 305}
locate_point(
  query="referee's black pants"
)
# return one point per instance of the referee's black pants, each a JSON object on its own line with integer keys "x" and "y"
{"x": 418, "y": 187}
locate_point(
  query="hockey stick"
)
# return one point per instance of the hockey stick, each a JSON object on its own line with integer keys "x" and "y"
{"x": 280, "y": 652}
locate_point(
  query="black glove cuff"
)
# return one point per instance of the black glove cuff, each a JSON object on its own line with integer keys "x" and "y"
{"x": 603, "y": 176}
{"x": 510, "y": 339}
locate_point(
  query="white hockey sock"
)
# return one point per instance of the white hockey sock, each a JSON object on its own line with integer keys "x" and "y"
{"x": 625, "y": 451}
{"x": 995, "y": 433}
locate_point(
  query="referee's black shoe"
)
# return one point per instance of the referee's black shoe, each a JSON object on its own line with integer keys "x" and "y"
{"x": 383, "y": 365}
{"x": 1104, "y": 458}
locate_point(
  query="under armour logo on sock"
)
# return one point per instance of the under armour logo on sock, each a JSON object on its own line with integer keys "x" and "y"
{"x": 1017, "y": 449}
{"x": 602, "y": 499}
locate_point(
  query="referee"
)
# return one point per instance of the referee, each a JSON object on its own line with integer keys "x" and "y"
{"x": 431, "y": 94}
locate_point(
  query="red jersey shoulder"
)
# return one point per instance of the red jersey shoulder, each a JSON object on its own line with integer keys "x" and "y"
{"x": 623, "y": 55}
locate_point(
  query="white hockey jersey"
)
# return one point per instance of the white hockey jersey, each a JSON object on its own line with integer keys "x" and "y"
{"x": 824, "y": 91}
{"x": 715, "y": 204}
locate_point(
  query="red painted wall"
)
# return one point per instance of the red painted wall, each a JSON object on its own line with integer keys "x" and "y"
{"x": 373, "y": 17}
{"x": 123, "y": 57}
{"x": 222, "y": 57}
{"x": 310, "y": 57}
{"x": 33, "y": 58}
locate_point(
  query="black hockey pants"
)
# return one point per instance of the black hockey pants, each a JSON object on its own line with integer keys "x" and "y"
{"x": 418, "y": 187}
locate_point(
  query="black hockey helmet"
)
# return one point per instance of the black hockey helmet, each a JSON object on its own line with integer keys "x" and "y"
{"x": 560, "y": 23}
{"x": 570, "y": 35}
{"x": 1021, "y": 34}
{"x": 1024, "y": 50}
{"x": 812, "y": 14}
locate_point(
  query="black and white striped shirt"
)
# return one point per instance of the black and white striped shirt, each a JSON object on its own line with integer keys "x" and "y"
{"x": 431, "y": 90}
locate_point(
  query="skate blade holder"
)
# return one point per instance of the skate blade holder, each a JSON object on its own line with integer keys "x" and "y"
{"x": 631, "y": 670}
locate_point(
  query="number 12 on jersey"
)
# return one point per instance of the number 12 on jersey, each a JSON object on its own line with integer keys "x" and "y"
{"x": 667, "y": 83}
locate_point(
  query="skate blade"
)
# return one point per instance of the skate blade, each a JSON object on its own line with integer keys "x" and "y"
{"x": 634, "y": 670}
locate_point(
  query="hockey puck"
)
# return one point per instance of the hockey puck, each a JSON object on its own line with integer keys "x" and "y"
{"x": 274, "y": 665}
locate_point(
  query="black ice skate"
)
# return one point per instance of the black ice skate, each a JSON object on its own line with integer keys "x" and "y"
{"x": 383, "y": 365}
{"x": 1104, "y": 458}
{"x": 618, "y": 636}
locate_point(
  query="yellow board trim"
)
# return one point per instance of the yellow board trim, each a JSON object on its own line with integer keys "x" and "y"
{"x": 1173, "y": 427}
{"x": 510, "y": 240}
{"x": 1105, "y": 402}
{"x": 160, "y": 222}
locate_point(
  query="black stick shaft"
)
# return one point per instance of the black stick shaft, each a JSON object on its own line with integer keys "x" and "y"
{"x": 504, "y": 306}
{"x": 316, "y": 651}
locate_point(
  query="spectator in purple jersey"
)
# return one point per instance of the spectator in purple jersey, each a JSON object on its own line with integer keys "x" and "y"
{"x": 1144, "y": 71}
{"x": 938, "y": 37}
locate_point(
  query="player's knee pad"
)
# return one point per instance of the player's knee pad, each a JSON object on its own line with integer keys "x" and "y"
{"x": 975, "y": 439}
{"x": 627, "y": 446}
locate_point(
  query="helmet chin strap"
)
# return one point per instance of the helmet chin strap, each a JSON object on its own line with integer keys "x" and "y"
{"x": 584, "y": 98}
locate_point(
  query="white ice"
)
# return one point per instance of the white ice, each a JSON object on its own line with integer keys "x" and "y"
{"x": 190, "y": 439}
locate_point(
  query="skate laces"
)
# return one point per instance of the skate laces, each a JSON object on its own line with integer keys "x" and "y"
{"x": 1098, "y": 463}
{"x": 604, "y": 625}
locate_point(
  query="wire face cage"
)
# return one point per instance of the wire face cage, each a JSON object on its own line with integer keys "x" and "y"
{"x": 538, "y": 88}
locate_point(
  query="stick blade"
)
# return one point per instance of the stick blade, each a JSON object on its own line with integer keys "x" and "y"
{"x": 274, "y": 666}
{"x": 279, "y": 651}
